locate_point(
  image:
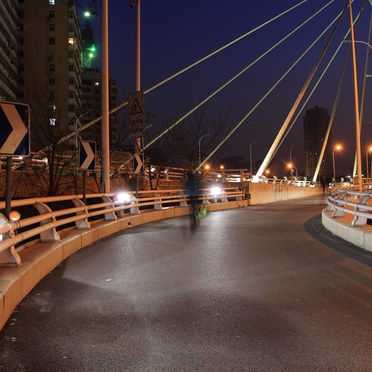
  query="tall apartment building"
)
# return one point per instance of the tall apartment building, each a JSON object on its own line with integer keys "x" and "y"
{"x": 316, "y": 123}
{"x": 49, "y": 67}
{"x": 8, "y": 50}
{"x": 92, "y": 104}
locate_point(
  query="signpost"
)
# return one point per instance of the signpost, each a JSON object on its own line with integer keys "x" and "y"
{"x": 87, "y": 161}
{"x": 136, "y": 119}
{"x": 136, "y": 115}
{"x": 14, "y": 139}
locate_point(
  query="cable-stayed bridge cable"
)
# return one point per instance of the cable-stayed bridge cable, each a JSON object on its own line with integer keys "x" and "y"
{"x": 270, "y": 90}
{"x": 235, "y": 76}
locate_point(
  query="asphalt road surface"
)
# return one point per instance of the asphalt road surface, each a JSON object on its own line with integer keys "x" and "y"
{"x": 251, "y": 289}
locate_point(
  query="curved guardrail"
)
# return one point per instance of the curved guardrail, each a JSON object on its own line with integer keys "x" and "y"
{"x": 43, "y": 219}
{"x": 358, "y": 204}
{"x": 348, "y": 215}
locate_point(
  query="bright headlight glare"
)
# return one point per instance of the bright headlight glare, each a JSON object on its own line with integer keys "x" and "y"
{"x": 123, "y": 197}
{"x": 216, "y": 191}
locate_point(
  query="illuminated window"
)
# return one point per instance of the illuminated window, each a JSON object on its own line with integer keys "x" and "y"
{"x": 52, "y": 122}
{"x": 96, "y": 83}
{"x": 52, "y": 2}
{"x": 71, "y": 40}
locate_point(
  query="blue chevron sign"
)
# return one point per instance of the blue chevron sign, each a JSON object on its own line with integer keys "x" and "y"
{"x": 15, "y": 129}
{"x": 87, "y": 155}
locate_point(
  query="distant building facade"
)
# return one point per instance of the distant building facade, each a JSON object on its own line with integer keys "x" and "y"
{"x": 92, "y": 106}
{"x": 49, "y": 66}
{"x": 316, "y": 123}
{"x": 8, "y": 49}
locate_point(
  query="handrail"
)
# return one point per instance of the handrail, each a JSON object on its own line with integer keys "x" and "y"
{"x": 43, "y": 216}
{"x": 358, "y": 204}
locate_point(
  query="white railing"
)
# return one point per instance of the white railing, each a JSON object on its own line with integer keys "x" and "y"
{"x": 42, "y": 219}
{"x": 357, "y": 204}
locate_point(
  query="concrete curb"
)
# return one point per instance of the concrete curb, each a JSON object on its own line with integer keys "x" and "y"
{"x": 42, "y": 258}
{"x": 361, "y": 236}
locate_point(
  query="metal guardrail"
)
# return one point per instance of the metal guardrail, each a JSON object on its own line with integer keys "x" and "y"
{"x": 357, "y": 204}
{"x": 42, "y": 219}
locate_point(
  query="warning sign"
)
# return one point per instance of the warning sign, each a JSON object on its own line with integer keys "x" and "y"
{"x": 136, "y": 113}
{"x": 136, "y": 108}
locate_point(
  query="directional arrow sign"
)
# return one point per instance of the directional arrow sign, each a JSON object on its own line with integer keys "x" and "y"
{"x": 87, "y": 155}
{"x": 15, "y": 129}
{"x": 137, "y": 163}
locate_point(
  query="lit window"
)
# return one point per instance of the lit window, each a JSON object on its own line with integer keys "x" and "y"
{"x": 96, "y": 83}
{"x": 52, "y": 2}
{"x": 71, "y": 40}
{"x": 52, "y": 122}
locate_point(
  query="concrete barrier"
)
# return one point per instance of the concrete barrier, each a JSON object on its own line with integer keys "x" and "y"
{"x": 361, "y": 236}
{"x": 261, "y": 193}
{"x": 40, "y": 259}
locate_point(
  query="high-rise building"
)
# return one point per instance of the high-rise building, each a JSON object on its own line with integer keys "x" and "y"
{"x": 92, "y": 91}
{"x": 316, "y": 123}
{"x": 92, "y": 106}
{"x": 8, "y": 49}
{"x": 49, "y": 67}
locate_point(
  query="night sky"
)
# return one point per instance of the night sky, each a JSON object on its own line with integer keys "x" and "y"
{"x": 178, "y": 33}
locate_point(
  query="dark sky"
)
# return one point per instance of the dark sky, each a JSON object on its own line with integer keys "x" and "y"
{"x": 177, "y": 33}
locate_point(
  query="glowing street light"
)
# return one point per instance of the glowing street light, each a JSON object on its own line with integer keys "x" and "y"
{"x": 337, "y": 148}
{"x": 292, "y": 167}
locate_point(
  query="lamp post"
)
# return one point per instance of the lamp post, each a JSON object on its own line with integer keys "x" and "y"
{"x": 356, "y": 100}
{"x": 200, "y": 139}
{"x": 292, "y": 167}
{"x": 290, "y": 152}
{"x": 338, "y": 148}
{"x": 250, "y": 155}
{"x": 105, "y": 179}
{"x": 367, "y": 167}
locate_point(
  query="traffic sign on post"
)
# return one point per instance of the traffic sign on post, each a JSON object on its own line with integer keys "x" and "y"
{"x": 136, "y": 113}
{"x": 137, "y": 163}
{"x": 87, "y": 155}
{"x": 15, "y": 129}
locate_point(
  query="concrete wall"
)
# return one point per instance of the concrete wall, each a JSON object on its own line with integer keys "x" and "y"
{"x": 38, "y": 260}
{"x": 267, "y": 193}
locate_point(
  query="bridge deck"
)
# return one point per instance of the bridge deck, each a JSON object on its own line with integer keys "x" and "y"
{"x": 250, "y": 289}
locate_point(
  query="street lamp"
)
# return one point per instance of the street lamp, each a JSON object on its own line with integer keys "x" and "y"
{"x": 359, "y": 42}
{"x": 367, "y": 168}
{"x": 204, "y": 135}
{"x": 292, "y": 167}
{"x": 338, "y": 148}
{"x": 290, "y": 152}
{"x": 250, "y": 155}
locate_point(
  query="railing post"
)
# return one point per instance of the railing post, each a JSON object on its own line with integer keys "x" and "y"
{"x": 360, "y": 220}
{"x": 50, "y": 234}
{"x": 157, "y": 199}
{"x": 109, "y": 216}
{"x": 183, "y": 200}
{"x": 9, "y": 257}
{"x": 83, "y": 223}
